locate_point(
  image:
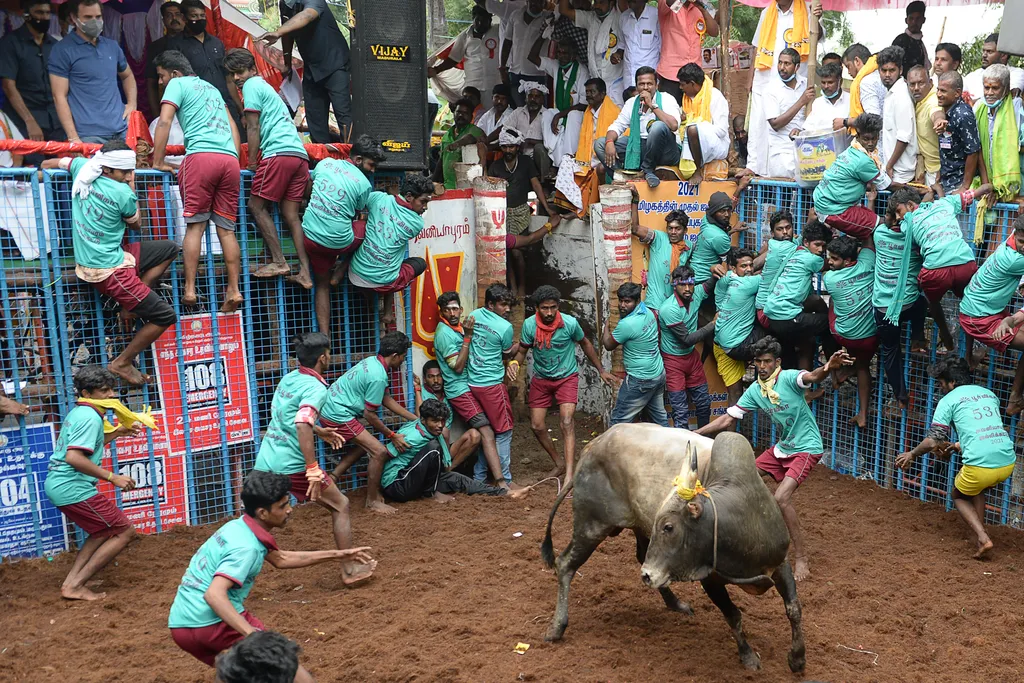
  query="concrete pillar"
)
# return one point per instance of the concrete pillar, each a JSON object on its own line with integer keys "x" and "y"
{"x": 489, "y": 203}
{"x": 465, "y": 174}
{"x": 616, "y": 210}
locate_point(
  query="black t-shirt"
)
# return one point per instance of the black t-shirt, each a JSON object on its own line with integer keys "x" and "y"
{"x": 518, "y": 178}
{"x": 914, "y": 52}
{"x": 320, "y": 42}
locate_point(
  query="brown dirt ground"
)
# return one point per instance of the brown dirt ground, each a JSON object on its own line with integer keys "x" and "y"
{"x": 456, "y": 591}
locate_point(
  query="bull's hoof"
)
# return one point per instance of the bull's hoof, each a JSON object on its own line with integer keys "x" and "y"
{"x": 797, "y": 662}
{"x": 554, "y": 633}
{"x": 751, "y": 660}
{"x": 677, "y": 605}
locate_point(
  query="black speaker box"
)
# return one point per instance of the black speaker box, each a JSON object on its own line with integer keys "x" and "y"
{"x": 389, "y": 79}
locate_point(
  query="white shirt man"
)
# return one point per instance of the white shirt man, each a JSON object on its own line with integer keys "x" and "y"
{"x": 568, "y": 136}
{"x": 603, "y": 40}
{"x": 647, "y": 118}
{"x": 778, "y": 99}
{"x": 641, "y": 37}
{"x": 503, "y": 9}
{"x": 491, "y": 120}
{"x": 974, "y": 83}
{"x": 899, "y": 124}
{"x": 824, "y": 111}
{"x": 523, "y": 35}
{"x": 480, "y": 58}
{"x": 714, "y": 136}
{"x": 8, "y": 131}
{"x": 872, "y": 93}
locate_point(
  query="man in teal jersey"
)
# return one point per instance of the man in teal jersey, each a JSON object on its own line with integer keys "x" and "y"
{"x": 714, "y": 239}
{"x": 947, "y": 260}
{"x": 279, "y": 160}
{"x": 490, "y": 345}
{"x": 666, "y": 251}
{"x": 777, "y": 250}
{"x": 360, "y": 392}
{"x": 432, "y": 386}
{"x": 71, "y": 477}
{"x": 103, "y": 204}
{"x": 796, "y": 328}
{"x": 983, "y": 308}
{"x": 289, "y": 446}
{"x": 849, "y": 280}
{"x": 736, "y": 329}
{"x": 780, "y": 394}
{"x": 552, "y": 337}
{"x": 986, "y": 448}
{"x": 209, "y": 176}
{"x": 453, "y": 338}
{"x": 684, "y": 371}
{"x": 424, "y": 469}
{"x": 208, "y": 613}
{"x": 637, "y": 332}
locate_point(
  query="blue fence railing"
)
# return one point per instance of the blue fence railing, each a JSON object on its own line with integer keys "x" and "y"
{"x": 870, "y": 452}
{"x": 213, "y": 379}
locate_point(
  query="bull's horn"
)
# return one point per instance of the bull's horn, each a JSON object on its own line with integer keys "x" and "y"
{"x": 689, "y": 474}
{"x": 693, "y": 462}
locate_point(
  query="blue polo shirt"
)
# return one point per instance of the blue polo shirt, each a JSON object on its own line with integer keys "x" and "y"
{"x": 94, "y": 93}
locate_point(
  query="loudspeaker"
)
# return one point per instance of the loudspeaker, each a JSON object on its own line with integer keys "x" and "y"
{"x": 1012, "y": 41}
{"x": 389, "y": 79}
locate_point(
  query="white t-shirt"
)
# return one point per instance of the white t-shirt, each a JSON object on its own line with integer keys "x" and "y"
{"x": 523, "y": 35}
{"x": 175, "y": 137}
{"x": 552, "y": 68}
{"x": 490, "y": 121}
{"x": 872, "y": 94}
{"x": 531, "y": 130}
{"x": 974, "y": 83}
{"x": 6, "y": 158}
{"x": 899, "y": 124}
{"x": 603, "y": 39}
{"x": 482, "y": 58}
{"x": 719, "y": 114}
{"x": 762, "y": 77}
{"x": 778, "y": 99}
{"x": 823, "y": 112}
{"x": 647, "y": 118}
{"x": 642, "y": 40}
{"x": 503, "y": 11}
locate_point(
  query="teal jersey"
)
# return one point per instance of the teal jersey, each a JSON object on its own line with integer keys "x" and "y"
{"x": 428, "y": 394}
{"x": 97, "y": 221}
{"x": 340, "y": 191}
{"x": 675, "y": 316}
{"x": 889, "y": 246}
{"x": 417, "y": 436}
{"x": 974, "y": 413}
{"x": 995, "y": 283}
{"x": 843, "y": 183}
{"x": 792, "y": 285}
{"x": 447, "y": 345}
{"x": 711, "y": 246}
{"x": 638, "y": 334}
{"x": 202, "y": 114}
{"x": 82, "y": 430}
{"x": 850, "y": 289}
{"x": 361, "y": 388}
{"x": 492, "y": 338}
{"x": 278, "y": 136}
{"x": 798, "y": 430}
{"x": 935, "y": 230}
{"x": 390, "y": 224}
{"x": 235, "y": 551}
{"x": 779, "y": 252}
{"x": 279, "y": 451}
{"x": 735, "y": 299}
{"x": 558, "y": 360}
{"x": 659, "y": 270}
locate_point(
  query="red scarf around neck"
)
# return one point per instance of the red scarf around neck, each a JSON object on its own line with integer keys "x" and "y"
{"x": 546, "y": 332}
{"x": 457, "y": 328}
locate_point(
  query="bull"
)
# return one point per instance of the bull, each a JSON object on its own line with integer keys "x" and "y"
{"x": 621, "y": 483}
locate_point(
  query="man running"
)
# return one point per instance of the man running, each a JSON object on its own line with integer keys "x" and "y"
{"x": 780, "y": 394}
{"x": 684, "y": 371}
{"x": 736, "y": 333}
{"x": 637, "y": 332}
{"x": 289, "y": 446}
{"x": 552, "y": 336}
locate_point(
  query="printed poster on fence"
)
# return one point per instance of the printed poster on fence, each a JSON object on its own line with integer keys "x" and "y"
{"x": 654, "y": 205}
{"x": 167, "y": 472}
{"x": 190, "y": 394}
{"x": 448, "y": 245}
{"x": 17, "y": 514}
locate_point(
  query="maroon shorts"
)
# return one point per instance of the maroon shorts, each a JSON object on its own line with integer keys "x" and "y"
{"x": 469, "y": 409}
{"x": 322, "y": 259}
{"x": 406, "y": 274}
{"x": 97, "y": 516}
{"x": 206, "y": 642}
{"x": 858, "y": 347}
{"x": 857, "y": 222}
{"x": 281, "y": 177}
{"x": 763, "y": 320}
{"x": 683, "y": 372}
{"x": 348, "y": 430}
{"x": 496, "y": 404}
{"x": 983, "y": 329}
{"x": 545, "y": 393}
{"x": 935, "y": 283}
{"x": 209, "y": 188}
{"x": 797, "y": 467}
{"x": 300, "y": 485}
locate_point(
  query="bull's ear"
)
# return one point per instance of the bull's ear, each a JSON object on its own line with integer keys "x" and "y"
{"x": 696, "y": 508}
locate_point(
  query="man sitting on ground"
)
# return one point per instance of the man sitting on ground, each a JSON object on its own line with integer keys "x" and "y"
{"x": 432, "y": 386}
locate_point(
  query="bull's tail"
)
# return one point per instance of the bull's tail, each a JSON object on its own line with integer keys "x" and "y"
{"x": 547, "y": 550}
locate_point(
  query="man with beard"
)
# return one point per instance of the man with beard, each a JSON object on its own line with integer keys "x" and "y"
{"x": 667, "y": 249}
{"x": 569, "y": 77}
{"x": 637, "y": 333}
{"x": 785, "y": 102}
{"x": 478, "y": 50}
{"x": 974, "y": 82}
{"x": 461, "y": 134}
{"x": 529, "y": 121}
{"x": 915, "y": 52}
{"x": 431, "y": 386}
{"x": 776, "y": 252}
{"x": 551, "y": 337}
{"x": 600, "y": 113}
{"x": 174, "y": 24}
{"x": 959, "y": 142}
{"x": 714, "y": 239}
{"x": 829, "y": 111}
{"x": 1000, "y": 120}
{"x": 735, "y": 330}
{"x": 492, "y": 120}
{"x": 899, "y": 119}
{"x": 684, "y": 371}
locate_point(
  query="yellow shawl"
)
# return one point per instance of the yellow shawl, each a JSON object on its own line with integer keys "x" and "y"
{"x": 126, "y": 417}
{"x": 699, "y": 108}
{"x": 870, "y": 67}
{"x": 798, "y": 39}
{"x": 606, "y": 116}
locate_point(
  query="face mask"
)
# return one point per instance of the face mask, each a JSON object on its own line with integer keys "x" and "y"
{"x": 38, "y": 25}
{"x": 787, "y": 80}
{"x": 995, "y": 105}
{"x": 196, "y": 26}
{"x": 92, "y": 28}
{"x": 832, "y": 96}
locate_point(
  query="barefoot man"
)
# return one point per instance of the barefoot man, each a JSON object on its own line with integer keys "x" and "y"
{"x": 289, "y": 446}
{"x": 986, "y": 448}
{"x": 71, "y": 482}
{"x": 780, "y": 394}
{"x": 208, "y": 614}
{"x": 432, "y": 386}
{"x": 551, "y": 336}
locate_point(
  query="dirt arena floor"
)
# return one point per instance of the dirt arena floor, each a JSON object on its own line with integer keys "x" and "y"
{"x": 456, "y": 591}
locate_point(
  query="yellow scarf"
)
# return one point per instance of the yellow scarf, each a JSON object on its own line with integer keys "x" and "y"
{"x": 699, "y": 108}
{"x": 768, "y": 387}
{"x": 126, "y": 417}
{"x": 608, "y": 113}
{"x": 800, "y": 34}
{"x": 874, "y": 156}
{"x": 870, "y": 67}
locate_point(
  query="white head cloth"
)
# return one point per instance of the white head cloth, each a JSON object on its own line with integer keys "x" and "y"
{"x": 510, "y": 136}
{"x": 122, "y": 159}
{"x": 527, "y": 86}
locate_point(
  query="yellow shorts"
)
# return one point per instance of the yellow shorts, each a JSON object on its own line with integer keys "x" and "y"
{"x": 730, "y": 369}
{"x": 972, "y": 480}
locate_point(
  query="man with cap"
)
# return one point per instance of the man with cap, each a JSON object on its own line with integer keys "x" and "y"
{"x": 714, "y": 239}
